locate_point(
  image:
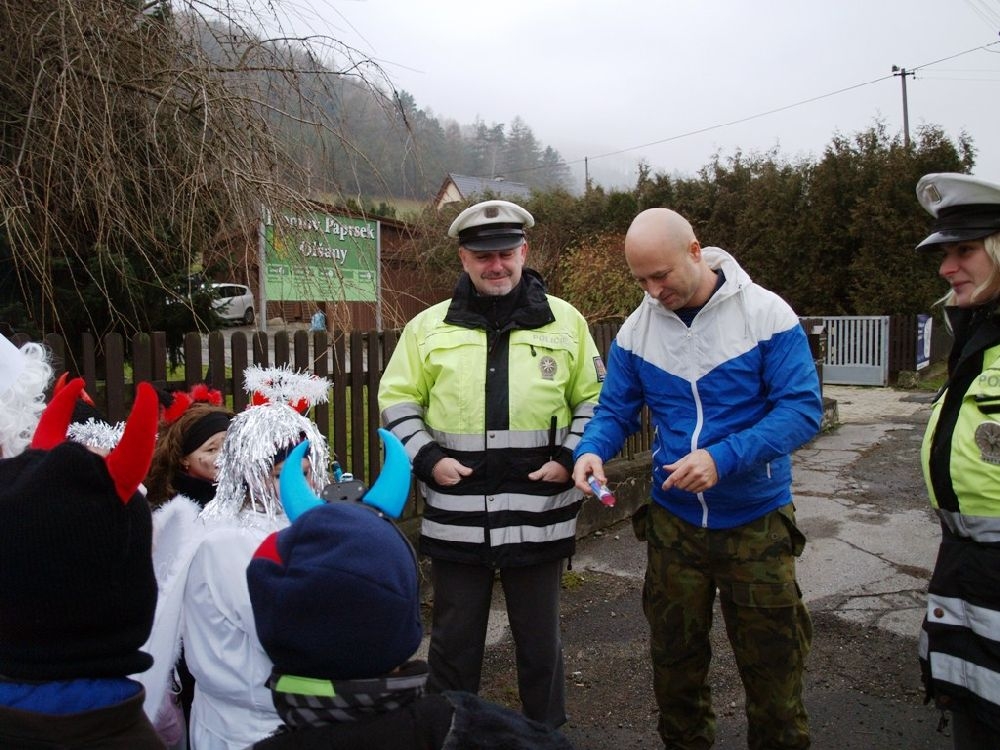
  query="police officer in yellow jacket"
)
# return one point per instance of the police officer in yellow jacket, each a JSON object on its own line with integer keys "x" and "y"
{"x": 959, "y": 650}
{"x": 489, "y": 392}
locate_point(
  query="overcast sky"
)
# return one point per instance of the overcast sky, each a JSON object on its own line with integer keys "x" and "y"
{"x": 642, "y": 77}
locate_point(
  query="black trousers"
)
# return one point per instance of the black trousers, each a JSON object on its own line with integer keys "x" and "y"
{"x": 462, "y": 595}
{"x": 968, "y": 733}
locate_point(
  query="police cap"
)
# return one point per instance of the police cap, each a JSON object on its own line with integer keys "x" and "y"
{"x": 964, "y": 207}
{"x": 491, "y": 226}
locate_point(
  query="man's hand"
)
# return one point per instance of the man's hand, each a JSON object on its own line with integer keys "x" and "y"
{"x": 587, "y": 464}
{"x": 695, "y": 472}
{"x": 550, "y": 471}
{"x": 449, "y": 471}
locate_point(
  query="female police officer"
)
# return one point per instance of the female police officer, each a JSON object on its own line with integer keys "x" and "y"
{"x": 960, "y": 642}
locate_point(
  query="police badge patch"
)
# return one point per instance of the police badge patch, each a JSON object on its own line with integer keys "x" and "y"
{"x": 600, "y": 369}
{"x": 988, "y": 440}
{"x": 548, "y": 367}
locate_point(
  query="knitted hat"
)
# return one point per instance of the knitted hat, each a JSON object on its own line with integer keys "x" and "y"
{"x": 77, "y": 591}
{"x": 335, "y": 595}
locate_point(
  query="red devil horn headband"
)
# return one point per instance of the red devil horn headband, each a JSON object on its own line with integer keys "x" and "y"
{"x": 61, "y": 383}
{"x": 177, "y": 407}
{"x": 52, "y": 425}
{"x": 129, "y": 461}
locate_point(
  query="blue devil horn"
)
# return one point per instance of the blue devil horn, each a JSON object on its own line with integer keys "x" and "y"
{"x": 296, "y": 495}
{"x": 392, "y": 487}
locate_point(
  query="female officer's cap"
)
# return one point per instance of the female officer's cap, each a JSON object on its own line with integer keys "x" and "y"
{"x": 964, "y": 207}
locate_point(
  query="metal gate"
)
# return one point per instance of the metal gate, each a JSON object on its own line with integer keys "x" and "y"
{"x": 857, "y": 350}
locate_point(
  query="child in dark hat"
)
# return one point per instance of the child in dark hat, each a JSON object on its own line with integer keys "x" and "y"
{"x": 336, "y": 602}
{"x": 77, "y": 590}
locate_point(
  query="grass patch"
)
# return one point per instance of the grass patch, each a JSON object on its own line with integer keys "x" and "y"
{"x": 572, "y": 580}
{"x": 933, "y": 377}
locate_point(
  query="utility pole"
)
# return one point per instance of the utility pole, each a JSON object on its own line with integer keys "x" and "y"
{"x": 902, "y": 73}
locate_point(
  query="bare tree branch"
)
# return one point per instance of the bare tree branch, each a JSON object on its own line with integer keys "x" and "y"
{"x": 134, "y": 134}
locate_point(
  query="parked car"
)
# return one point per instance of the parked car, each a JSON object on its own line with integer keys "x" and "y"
{"x": 233, "y": 302}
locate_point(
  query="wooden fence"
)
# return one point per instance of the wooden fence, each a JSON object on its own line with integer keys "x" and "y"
{"x": 352, "y": 361}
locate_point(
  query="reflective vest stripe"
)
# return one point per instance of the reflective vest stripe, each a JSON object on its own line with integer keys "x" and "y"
{"x": 452, "y": 533}
{"x": 405, "y": 421}
{"x": 581, "y": 415}
{"x": 497, "y": 439}
{"x": 955, "y": 612}
{"x": 498, "y": 537}
{"x": 979, "y": 528}
{"x": 518, "y": 534}
{"x": 402, "y": 411}
{"x": 979, "y": 680}
{"x": 502, "y": 501}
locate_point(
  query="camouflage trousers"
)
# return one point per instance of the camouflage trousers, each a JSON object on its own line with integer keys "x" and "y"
{"x": 753, "y": 569}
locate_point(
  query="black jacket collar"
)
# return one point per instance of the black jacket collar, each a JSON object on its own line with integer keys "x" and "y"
{"x": 975, "y": 329}
{"x": 526, "y": 306}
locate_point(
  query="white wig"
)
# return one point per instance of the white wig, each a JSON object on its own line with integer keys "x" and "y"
{"x": 25, "y": 373}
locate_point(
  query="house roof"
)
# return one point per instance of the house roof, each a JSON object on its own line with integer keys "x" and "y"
{"x": 469, "y": 187}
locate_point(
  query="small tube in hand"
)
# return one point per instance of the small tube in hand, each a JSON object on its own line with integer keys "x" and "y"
{"x": 601, "y": 491}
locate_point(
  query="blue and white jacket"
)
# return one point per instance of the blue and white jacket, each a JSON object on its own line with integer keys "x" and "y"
{"x": 740, "y": 383}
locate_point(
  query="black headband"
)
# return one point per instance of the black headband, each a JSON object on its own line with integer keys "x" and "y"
{"x": 203, "y": 429}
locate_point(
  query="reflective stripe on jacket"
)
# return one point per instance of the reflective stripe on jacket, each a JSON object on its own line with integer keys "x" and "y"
{"x": 502, "y": 402}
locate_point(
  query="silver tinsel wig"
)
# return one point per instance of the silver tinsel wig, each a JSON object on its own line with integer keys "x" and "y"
{"x": 263, "y": 431}
{"x": 96, "y": 434}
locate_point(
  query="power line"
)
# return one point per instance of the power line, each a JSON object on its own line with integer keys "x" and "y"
{"x": 957, "y": 54}
{"x": 735, "y": 122}
{"x": 987, "y": 14}
{"x": 748, "y": 118}
{"x": 964, "y": 70}
{"x": 979, "y": 79}
{"x": 784, "y": 108}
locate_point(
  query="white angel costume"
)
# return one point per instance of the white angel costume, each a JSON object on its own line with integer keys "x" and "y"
{"x": 200, "y": 560}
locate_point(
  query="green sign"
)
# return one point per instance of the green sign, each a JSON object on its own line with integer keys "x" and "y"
{"x": 320, "y": 257}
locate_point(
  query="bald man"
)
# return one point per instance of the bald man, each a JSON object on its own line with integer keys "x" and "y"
{"x": 727, "y": 374}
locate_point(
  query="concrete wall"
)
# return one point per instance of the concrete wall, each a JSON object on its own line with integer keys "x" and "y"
{"x": 629, "y": 480}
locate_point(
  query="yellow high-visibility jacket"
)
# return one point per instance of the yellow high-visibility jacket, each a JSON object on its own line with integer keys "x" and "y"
{"x": 961, "y": 463}
{"x": 503, "y": 401}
